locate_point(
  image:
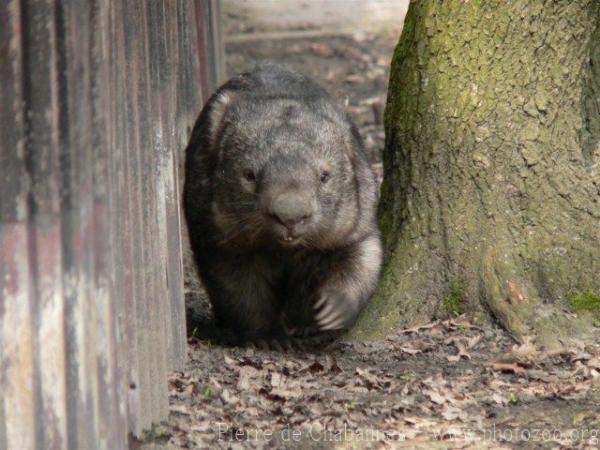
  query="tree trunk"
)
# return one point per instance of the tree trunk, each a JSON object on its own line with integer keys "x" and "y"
{"x": 491, "y": 194}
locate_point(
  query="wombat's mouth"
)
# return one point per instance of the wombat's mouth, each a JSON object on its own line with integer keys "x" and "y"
{"x": 289, "y": 241}
{"x": 289, "y": 238}
{"x": 290, "y": 235}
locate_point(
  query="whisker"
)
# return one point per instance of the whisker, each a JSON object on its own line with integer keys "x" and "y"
{"x": 238, "y": 227}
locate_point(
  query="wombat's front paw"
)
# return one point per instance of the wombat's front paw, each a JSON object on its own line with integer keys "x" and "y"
{"x": 334, "y": 311}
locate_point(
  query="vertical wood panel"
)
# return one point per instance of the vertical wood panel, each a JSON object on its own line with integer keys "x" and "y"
{"x": 202, "y": 15}
{"x": 97, "y": 100}
{"x": 16, "y": 335}
{"x": 112, "y": 382}
{"x": 177, "y": 343}
{"x": 155, "y": 37}
{"x": 123, "y": 224}
{"x": 78, "y": 222}
{"x": 3, "y": 443}
{"x": 216, "y": 43}
{"x": 16, "y": 339}
{"x": 41, "y": 96}
{"x": 140, "y": 211}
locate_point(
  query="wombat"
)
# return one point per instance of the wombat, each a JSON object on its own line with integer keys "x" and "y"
{"x": 280, "y": 204}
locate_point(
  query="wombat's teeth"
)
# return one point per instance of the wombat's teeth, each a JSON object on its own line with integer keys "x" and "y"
{"x": 288, "y": 238}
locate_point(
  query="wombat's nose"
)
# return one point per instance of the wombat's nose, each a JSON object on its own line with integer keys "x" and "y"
{"x": 290, "y": 209}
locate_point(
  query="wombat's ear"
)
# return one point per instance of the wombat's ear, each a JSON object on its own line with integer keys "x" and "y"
{"x": 219, "y": 105}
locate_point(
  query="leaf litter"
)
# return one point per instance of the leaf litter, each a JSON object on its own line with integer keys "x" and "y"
{"x": 465, "y": 387}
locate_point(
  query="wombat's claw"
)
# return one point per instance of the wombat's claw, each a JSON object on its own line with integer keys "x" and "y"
{"x": 333, "y": 323}
{"x": 329, "y": 318}
{"x": 320, "y": 302}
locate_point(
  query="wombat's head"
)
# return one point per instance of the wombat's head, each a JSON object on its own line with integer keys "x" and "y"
{"x": 283, "y": 173}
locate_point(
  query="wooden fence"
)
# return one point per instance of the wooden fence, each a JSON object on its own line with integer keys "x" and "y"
{"x": 97, "y": 98}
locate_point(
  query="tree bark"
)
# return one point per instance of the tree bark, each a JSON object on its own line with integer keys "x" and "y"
{"x": 492, "y": 174}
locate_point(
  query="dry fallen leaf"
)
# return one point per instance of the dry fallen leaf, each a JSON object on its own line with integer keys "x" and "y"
{"x": 229, "y": 361}
{"x": 276, "y": 379}
{"x": 594, "y": 363}
{"x": 499, "y": 399}
{"x": 331, "y": 364}
{"x": 410, "y": 351}
{"x": 418, "y": 328}
{"x": 453, "y": 413}
{"x": 525, "y": 352}
{"x": 472, "y": 342}
{"x": 436, "y": 397}
{"x": 244, "y": 375}
{"x": 286, "y": 393}
{"x": 462, "y": 351}
{"x": 322, "y": 50}
{"x": 507, "y": 367}
{"x": 227, "y": 397}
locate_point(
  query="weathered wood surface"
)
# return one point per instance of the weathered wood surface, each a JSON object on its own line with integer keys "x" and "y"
{"x": 96, "y": 102}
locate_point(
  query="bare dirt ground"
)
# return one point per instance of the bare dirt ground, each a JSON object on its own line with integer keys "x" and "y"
{"x": 448, "y": 384}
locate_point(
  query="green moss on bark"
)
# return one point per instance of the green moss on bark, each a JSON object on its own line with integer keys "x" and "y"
{"x": 454, "y": 303}
{"x": 586, "y": 301}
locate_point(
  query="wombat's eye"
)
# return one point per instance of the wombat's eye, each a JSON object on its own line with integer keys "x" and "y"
{"x": 325, "y": 176}
{"x": 249, "y": 175}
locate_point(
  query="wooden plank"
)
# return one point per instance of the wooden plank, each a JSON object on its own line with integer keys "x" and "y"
{"x": 163, "y": 78}
{"x": 189, "y": 92}
{"x": 138, "y": 125}
{"x": 41, "y": 99}
{"x": 125, "y": 200}
{"x": 177, "y": 348}
{"x": 3, "y": 443}
{"x": 16, "y": 331}
{"x": 217, "y": 44}
{"x": 78, "y": 221}
{"x": 143, "y": 212}
{"x": 13, "y": 190}
{"x": 94, "y": 409}
{"x": 16, "y": 338}
{"x": 152, "y": 30}
{"x": 111, "y": 381}
{"x": 203, "y": 46}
